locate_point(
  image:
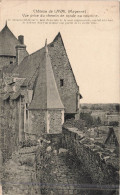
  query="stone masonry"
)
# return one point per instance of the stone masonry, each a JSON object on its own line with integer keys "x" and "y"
{"x": 102, "y": 173}
{"x": 69, "y": 92}
{"x": 6, "y": 61}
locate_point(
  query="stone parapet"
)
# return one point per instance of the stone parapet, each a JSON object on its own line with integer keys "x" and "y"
{"x": 101, "y": 171}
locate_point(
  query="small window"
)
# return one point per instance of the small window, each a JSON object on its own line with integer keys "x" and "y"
{"x": 26, "y": 111}
{"x": 61, "y": 82}
{"x": 11, "y": 62}
{"x": 52, "y": 45}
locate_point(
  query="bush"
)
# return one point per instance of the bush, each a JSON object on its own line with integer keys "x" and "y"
{"x": 87, "y": 118}
{"x": 114, "y": 123}
{"x": 97, "y": 121}
{"x": 84, "y": 107}
{"x": 117, "y": 108}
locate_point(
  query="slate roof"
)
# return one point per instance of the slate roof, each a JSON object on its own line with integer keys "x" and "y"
{"x": 29, "y": 66}
{"x": 32, "y": 65}
{"x": 6, "y": 96}
{"x": 8, "y": 42}
{"x": 46, "y": 95}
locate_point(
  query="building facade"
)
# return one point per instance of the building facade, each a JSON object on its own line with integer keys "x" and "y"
{"x": 38, "y": 91}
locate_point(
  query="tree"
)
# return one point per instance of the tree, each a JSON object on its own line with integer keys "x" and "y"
{"x": 97, "y": 121}
{"x": 84, "y": 107}
{"x": 117, "y": 108}
{"x": 87, "y": 118}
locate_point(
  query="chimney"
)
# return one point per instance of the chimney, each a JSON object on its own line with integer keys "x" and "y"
{"x": 21, "y": 52}
{"x": 21, "y": 39}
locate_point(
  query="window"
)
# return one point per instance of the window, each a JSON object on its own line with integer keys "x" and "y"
{"x": 61, "y": 82}
{"x": 11, "y": 62}
{"x": 52, "y": 45}
{"x": 26, "y": 111}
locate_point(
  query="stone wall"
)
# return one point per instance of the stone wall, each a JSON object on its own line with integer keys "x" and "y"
{"x": 43, "y": 121}
{"x": 9, "y": 128}
{"x": 37, "y": 122}
{"x": 45, "y": 166}
{"x": 12, "y": 125}
{"x": 5, "y": 61}
{"x": 101, "y": 172}
{"x": 43, "y": 169}
{"x": 62, "y": 70}
{"x": 55, "y": 121}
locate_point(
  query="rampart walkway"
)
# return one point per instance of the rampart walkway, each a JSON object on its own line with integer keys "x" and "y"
{"x": 50, "y": 170}
{"x": 67, "y": 175}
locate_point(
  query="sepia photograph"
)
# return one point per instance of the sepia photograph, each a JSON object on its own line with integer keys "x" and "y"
{"x": 59, "y": 97}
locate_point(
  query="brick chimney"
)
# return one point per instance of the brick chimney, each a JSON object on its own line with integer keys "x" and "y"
{"x": 21, "y": 52}
{"x": 21, "y": 39}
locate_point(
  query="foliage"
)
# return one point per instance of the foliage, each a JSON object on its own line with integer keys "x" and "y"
{"x": 95, "y": 107}
{"x": 117, "y": 108}
{"x": 84, "y": 107}
{"x": 97, "y": 121}
{"x": 87, "y": 118}
{"x": 114, "y": 123}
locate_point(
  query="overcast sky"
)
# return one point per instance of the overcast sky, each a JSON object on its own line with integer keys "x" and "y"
{"x": 93, "y": 49}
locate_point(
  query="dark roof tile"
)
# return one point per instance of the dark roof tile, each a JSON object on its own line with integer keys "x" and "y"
{"x": 46, "y": 95}
{"x": 8, "y": 42}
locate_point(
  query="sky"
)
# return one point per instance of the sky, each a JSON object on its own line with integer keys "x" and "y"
{"x": 93, "y": 49}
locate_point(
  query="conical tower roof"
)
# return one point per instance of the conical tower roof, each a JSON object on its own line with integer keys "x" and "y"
{"x": 46, "y": 95}
{"x": 8, "y": 42}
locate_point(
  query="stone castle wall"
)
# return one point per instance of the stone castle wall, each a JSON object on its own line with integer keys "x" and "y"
{"x": 9, "y": 128}
{"x": 62, "y": 70}
{"x": 100, "y": 172}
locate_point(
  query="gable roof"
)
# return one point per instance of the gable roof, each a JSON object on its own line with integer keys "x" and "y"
{"x": 8, "y": 42}
{"x": 46, "y": 95}
{"x": 30, "y": 65}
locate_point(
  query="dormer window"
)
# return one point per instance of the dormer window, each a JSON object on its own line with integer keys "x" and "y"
{"x": 61, "y": 82}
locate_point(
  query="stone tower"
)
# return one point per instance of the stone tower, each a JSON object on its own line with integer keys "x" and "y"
{"x": 46, "y": 111}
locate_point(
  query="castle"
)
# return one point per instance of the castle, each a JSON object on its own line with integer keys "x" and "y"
{"x": 38, "y": 91}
